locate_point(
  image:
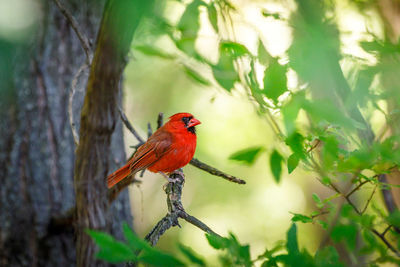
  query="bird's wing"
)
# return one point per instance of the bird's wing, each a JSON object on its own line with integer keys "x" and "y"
{"x": 151, "y": 151}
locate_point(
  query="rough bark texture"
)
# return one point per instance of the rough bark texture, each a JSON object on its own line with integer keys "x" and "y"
{"x": 36, "y": 145}
{"x": 98, "y": 117}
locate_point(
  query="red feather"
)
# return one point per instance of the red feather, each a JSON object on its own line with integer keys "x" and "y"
{"x": 171, "y": 147}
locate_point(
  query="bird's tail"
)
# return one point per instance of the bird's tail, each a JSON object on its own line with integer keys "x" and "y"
{"x": 118, "y": 175}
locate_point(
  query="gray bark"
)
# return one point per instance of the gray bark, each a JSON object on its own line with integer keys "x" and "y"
{"x": 37, "y": 150}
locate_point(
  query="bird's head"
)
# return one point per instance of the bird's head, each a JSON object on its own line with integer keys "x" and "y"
{"x": 185, "y": 121}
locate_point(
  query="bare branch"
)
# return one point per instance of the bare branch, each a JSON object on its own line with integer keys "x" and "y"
{"x": 175, "y": 211}
{"x": 129, "y": 126}
{"x": 74, "y": 24}
{"x": 369, "y": 200}
{"x": 160, "y": 120}
{"x": 211, "y": 170}
{"x": 356, "y": 188}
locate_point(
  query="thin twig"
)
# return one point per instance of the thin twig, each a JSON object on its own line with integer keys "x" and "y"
{"x": 74, "y": 24}
{"x": 386, "y": 230}
{"x": 357, "y": 187}
{"x": 384, "y": 240}
{"x": 175, "y": 211}
{"x": 160, "y": 120}
{"x": 369, "y": 199}
{"x": 71, "y": 100}
{"x": 211, "y": 170}
{"x": 129, "y": 126}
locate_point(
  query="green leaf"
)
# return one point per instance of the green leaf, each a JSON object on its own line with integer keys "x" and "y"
{"x": 216, "y": 242}
{"x": 191, "y": 255}
{"x": 263, "y": 55}
{"x": 300, "y": 217}
{"x": 394, "y": 218}
{"x": 236, "y": 49}
{"x": 196, "y": 76}
{"x": 323, "y": 224}
{"x": 224, "y": 71}
{"x": 292, "y": 162}
{"x": 111, "y": 250}
{"x": 153, "y": 51}
{"x": 248, "y": 155}
{"x": 290, "y": 111}
{"x": 267, "y": 14}
{"x": 327, "y": 257}
{"x": 275, "y": 163}
{"x": 291, "y": 245}
{"x": 133, "y": 240}
{"x": 189, "y": 25}
{"x": 317, "y": 200}
{"x": 157, "y": 258}
{"x": 213, "y": 16}
{"x": 324, "y": 109}
{"x": 347, "y": 232}
{"x": 275, "y": 80}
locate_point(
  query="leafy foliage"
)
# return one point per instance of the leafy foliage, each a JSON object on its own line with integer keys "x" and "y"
{"x": 324, "y": 122}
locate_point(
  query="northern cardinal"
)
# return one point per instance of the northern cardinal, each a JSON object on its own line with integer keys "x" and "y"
{"x": 169, "y": 148}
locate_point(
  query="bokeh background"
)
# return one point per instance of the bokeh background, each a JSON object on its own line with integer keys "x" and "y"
{"x": 259, "y": 212}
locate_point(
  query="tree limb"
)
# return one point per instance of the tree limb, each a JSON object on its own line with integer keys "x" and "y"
{"x": 74, "y": 24}
{"x": 175, "y": 211}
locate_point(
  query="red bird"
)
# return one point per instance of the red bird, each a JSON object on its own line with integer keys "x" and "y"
{"x": 169, "y": 148}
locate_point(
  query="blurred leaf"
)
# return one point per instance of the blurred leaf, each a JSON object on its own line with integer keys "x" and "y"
{"x": 133, "y": 240}
{"x": 247, "y": 155}
{"x": 263, "y": 55}
{"x": 274, "y": 15}
{"x": 292, "y": 162}
{"x": 291, "y": 245}
{"x": 189, "y": 26}
{"x": 276, "y": 165}
{"x": 394, "y": 218}
{"x": 347, "y": 232}
{"x": 191, "y": 255}
{"x": 153, "y": 51}
{"x": 291, "y": 110}
{"x": 196, "y": 76}
{"x": 111, "y": 250}
{"x": 224, "y": 71}
{"x": 330, "y": 151}
{"x": 275, "y": 81}
{"x": 300, "y": 217}
{"x": 295, "y": 142}
{"x": 236, "y": 49}
{"x": 216, "y": 242}
{"x": 157, "y": 258}
{"x": 213, "y": 16}
{"x": 327, "y": 257}
{"x": 317, "y": 200}
{"x": 324, "y": 109}
{"x": 323, "y": 224}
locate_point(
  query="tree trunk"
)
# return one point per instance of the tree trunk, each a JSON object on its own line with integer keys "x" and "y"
{"x": 37, "y": 151}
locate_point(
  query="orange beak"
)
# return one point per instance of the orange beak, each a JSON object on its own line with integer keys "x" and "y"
{"x": 193, "y": 122}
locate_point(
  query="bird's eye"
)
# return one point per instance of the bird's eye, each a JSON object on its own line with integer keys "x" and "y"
{"x": 186, "y": 120}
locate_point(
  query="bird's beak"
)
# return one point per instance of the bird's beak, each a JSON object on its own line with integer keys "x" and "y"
{"x": 193, "y": 122}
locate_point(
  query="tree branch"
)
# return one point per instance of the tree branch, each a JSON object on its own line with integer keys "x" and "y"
{"x": 211, "y": 170}
{"x": 175, "y": 211}
{"x": 74, "y": 24}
